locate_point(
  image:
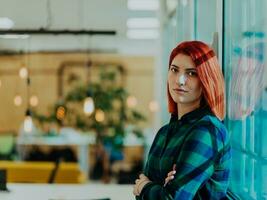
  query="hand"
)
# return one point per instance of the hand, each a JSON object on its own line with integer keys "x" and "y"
{"x": 139, "y": 184}
{"x": 170, "y": 175}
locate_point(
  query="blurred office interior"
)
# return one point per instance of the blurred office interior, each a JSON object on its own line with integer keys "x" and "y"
{"x": 83, "y": 93}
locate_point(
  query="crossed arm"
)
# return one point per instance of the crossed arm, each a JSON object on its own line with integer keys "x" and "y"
{"x": 197, "y": 149}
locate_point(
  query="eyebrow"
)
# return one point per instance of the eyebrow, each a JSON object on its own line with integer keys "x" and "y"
{"x": 187, "y": 69}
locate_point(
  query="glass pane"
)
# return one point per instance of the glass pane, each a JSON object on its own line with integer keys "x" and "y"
{"x": 185, "y": 20}
{"x": 205, "y": 20}
{"x": 246, "y": 83}
{"x": 263, "y": 187}
{"x": 169, "y": 42}
{"x": 238, "y": 167}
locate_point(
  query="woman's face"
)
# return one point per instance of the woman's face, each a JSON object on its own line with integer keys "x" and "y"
{"x": 184, "y": 85}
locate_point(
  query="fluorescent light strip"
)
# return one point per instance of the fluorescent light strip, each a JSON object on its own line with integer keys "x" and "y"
{"x": 143, "y": 4}
{"x": 143, "y": 34}
{"x": 143, "y": 22}
{"x": 6, "y": 23}
{"x": 14, "y": 36}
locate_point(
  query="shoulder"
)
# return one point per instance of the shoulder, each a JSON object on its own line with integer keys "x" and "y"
{"x": 211, "y": 123}
{"x": 159, "y": 138}
{"x": 163, "y": 128}
{"x": 162, "y": 131}
{"x": 209, "y": 127}
{"x": 218, "y": 126}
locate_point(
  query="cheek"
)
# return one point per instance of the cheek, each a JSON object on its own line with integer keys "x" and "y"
{"x": 170, "y": 81}
{"x": 200, "y": 90}
{"x": 197, "y": 87}
{"x": 169, "y": 88}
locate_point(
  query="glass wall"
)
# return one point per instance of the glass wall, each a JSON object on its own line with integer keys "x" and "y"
{"x": 191, "y": 20}
{"x": 246, "y": 86}
{"x": 205, "y": 20}
{"x": 169, "y": 42}
{"x": 241, "y": 25}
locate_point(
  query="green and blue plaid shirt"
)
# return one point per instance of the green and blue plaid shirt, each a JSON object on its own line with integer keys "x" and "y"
{"x": 189, "y": 143}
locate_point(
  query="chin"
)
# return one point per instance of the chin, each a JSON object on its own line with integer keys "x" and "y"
{"x": 178, "y": 100}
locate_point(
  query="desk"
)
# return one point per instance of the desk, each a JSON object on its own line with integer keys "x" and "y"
{"x": 67, "y": 192}
{"x": 82, "y": 142}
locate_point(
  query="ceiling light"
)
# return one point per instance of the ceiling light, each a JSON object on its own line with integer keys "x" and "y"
{"x": 14, "y": 36}
{"x": 6, "y": 23}
{"x": 23, "y": 72}
{"x": 17, "y": 100}
{"x": 88, "y": 106}
{"x": 34, "y": 101}
{"x": 28, "y": 123}
{"x": 142, "y": 34}
{"x": 131, "y": 101}
{"x": 143, "y": 5}
{"x": 147, "y": 22}
{"x": 153, "y": 106}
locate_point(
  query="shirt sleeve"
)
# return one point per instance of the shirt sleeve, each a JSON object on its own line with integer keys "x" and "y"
{"x": 191, "y": 172}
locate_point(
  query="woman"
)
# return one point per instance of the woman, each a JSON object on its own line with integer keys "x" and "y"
{"x": 190, "y": 156}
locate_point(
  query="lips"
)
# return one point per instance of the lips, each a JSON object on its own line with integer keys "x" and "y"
{"x": 179, "y": 90}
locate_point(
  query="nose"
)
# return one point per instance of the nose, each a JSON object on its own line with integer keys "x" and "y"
{"x": 181, "y": 79}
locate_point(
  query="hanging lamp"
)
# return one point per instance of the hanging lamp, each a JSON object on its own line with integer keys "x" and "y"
{"x": 28, "y": 123}
{"x": 88, "y": 105}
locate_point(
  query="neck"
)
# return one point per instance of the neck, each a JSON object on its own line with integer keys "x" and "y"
{"x": 186, "y": 108}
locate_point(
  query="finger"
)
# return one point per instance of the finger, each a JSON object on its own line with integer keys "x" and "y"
{"x": 136, "y": 181}
{"x": 135, "y": 191}
{"x": 142, "y": 176}
{"x": 166, "y": 180}
{"x": 174, "y": 167}
{"x": 169, "y": 178}
{"x": 170, "y": 173}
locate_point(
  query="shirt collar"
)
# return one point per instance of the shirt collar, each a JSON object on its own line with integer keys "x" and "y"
{"x": 193, "y": 115}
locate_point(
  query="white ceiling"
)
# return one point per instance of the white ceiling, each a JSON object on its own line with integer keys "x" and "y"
{"x": 74, "y": 15}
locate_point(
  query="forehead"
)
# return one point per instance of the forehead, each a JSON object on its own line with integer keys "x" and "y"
{"x": 182, "y": 60}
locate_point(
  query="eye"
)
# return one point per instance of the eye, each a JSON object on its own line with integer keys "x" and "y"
{"x": 192, "y": 73}
{"x": 173, "y": 69}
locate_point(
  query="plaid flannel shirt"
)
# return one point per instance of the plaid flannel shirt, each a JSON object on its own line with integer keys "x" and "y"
{"x": 170, "y": 147}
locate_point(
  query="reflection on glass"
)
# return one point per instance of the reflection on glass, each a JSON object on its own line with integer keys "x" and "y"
{"x": 246, "y": 80}
{"x": 246, "y": 84}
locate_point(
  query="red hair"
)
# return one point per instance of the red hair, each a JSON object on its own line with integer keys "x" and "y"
{"x": 209, "y": 73}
